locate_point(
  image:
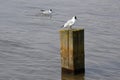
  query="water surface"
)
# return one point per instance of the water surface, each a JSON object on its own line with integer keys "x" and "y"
{"x": 29, "y": 41}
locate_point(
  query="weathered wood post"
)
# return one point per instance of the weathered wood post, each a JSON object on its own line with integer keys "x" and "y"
{"x": 72, "y": 50}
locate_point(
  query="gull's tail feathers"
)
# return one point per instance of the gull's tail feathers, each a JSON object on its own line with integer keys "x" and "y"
{"x": 42, "y": 10}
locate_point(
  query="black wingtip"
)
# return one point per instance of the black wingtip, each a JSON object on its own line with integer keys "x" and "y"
{"x": 42, "y": 10}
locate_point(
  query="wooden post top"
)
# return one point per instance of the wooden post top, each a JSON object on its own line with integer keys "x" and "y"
{"x": 73, "y": 29}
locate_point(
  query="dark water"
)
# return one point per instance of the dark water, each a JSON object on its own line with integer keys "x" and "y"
{"x": 29, "y": 42}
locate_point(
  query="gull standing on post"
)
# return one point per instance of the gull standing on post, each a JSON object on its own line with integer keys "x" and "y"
{"x": 70, "y": 22}
{"x": 47, "y": 12}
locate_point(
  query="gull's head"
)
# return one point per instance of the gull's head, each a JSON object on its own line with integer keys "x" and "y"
{"x": 75, "y": 17}
{"x": 50, "y": 9}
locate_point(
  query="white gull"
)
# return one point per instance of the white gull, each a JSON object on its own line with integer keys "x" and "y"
{"x": 47, "y": 12}
{"x": 70, "y": 22}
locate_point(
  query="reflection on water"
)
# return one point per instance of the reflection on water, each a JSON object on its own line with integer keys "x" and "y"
{"x": 66, "y": 76}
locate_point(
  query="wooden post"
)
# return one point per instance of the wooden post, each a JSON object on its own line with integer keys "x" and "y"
{"x": 72, "y": 50}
